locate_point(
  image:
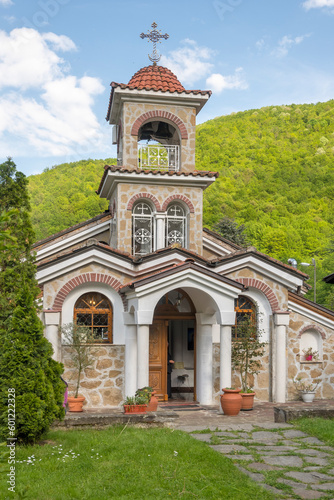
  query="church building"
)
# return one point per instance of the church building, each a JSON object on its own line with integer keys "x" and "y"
{"x": 148, "y": 280}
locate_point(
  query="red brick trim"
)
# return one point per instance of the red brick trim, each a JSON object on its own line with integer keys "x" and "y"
{"x": 160, "y": 114}
{"x": 79, "y": 280}
{"x": 312, "y": 327}
{"x": 181, "y": 198}
{"x": 265, "y": 289}
{"x": 143, "y": 195}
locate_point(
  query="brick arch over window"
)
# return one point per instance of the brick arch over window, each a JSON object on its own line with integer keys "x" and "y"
{"x": 160, "y": 114}
{"x": 312, "y": 327}
{"x": 178, "y": 197}
{"x": 265, "y": 289}
{"x": 141, "y": 196}
{"x": 80, "y": 280}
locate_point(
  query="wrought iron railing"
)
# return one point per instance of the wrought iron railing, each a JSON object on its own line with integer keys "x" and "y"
{"x": 158, "y": 157}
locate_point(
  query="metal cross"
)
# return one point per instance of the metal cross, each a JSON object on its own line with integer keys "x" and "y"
{"x": 154, "y": 36}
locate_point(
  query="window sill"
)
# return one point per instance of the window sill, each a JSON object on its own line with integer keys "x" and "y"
{"x": 318, "y": 361}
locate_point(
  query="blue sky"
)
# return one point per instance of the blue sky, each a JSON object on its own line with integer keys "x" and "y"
{"x": 58, "y": 57}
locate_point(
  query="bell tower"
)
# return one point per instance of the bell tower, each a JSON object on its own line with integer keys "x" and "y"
{"x": 154, "y": 190}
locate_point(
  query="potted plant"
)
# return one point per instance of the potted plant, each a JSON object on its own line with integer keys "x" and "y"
{"x": 231, "y": 401}
{"x": 81, "y": 343}
{"x": 148, "y": 393}
{"x": 246, "y": 353}
{"x": 306, "y": 389}
{"x": 310, "y": 354}
{"x": 135, "y": 404}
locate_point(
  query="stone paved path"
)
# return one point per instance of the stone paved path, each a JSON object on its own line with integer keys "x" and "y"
{"x": 285, "y": 461}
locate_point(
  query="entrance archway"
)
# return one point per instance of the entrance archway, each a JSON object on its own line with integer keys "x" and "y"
{"x": 173, "y": 333}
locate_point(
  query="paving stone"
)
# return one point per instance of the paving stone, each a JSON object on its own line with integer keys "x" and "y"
{"x": 266, "y": 436}
{"x": 228, "y": 448}
{"x": 240, "y": 457}
{"x": 256, "y": 477}
{"x": 312, "y": 440}
{"x": 316, "y": 461}
{"x": 226, "y": 434}
{"x": 331, "y": 471}
{"x": 311, "y": 469}
{"x": 289, "y": 482}
{"x": 294, "y": 434}
{"x": 278, "y": 449}
{"x": 260, "y": 466}
{"x": 307, "y": 494}
{"x": 324, "y": 487}
{"x": 272, "y": 453}
{"x": 284, "y": 461}
{"x": 272, "y": 489}
{"x": 309, "y": 477}
{"x": 313, "y": 453}
{"x": 202, "y": 437}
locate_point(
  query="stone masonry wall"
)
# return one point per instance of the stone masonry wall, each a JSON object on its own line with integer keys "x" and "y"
{"x": 160, "y": 194}
{"x": 259, "y": 382}
{"x": 321, "y": 370}
{"x": 103, "y": 384}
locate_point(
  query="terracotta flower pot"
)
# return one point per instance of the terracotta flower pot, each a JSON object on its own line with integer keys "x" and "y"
{"x": 153, "y": 404}
{"x": 231, "y": 401}
{"x": 247, "y": 401}
{"x": 135, "y": 409}
{"x": 75, "y": 404}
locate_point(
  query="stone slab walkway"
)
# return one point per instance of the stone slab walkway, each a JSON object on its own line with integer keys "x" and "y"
{"x": 285, "y": 461}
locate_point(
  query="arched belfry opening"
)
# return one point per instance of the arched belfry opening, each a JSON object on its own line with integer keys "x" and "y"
{"x": 159, "y": 145}
{"x": 173, "y": 337}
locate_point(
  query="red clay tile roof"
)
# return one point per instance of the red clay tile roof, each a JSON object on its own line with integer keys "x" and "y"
{"x": 116, "y": 168}
{"x": 156, "y": 78}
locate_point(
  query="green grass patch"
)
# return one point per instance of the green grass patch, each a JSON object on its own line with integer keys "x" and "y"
{"x": 321, "y": 428}
{"x": 127, "y": 463}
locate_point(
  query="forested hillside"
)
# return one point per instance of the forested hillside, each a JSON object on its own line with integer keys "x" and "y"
{"x": 276, "y": 167}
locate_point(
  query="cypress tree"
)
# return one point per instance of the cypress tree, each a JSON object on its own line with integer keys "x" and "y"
{"x": 26, "y": 363}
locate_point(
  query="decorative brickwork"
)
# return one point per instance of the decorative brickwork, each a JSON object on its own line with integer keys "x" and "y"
{"x": 312, "y": 327}
{"x": 81, "y": 279}
{"x": 265, "y": 289}
{"x": 160, "y": 114}
{"x": 178, "y": 197}
{"x": 144, "y": 195}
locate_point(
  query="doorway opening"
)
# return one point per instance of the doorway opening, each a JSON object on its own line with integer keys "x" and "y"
{"x": 173, "y": 336}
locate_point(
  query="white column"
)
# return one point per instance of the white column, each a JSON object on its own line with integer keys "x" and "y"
{"x": 225, "y": 356}
{"x": 51, "y": 321}
{"x": 281, "y": 322}
{"x": 130, "y": 360}
{"x": 160, "y": 231}
{"x": 143, "y": 332}
{"x": 204, "y": 379}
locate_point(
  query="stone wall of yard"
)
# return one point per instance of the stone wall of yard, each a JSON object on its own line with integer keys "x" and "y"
{"x": 260, "y": 382}
{"x": 321, "y": 370}
{"x": 103, "y": 384}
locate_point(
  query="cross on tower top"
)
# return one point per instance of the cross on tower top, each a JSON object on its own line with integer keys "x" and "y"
{"x": 154, "y": 36}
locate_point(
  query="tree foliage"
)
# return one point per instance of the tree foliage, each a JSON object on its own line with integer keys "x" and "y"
{"x": 229, "y": 229}
{"x": 26, "y": 365}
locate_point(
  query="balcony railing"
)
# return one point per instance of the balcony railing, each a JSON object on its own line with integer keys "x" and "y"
{"x": 158, "y": 157}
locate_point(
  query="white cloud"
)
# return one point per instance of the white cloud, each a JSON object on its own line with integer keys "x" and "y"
{"x": 190, "y": 62}
{"x": 286, "y": 43}
{"x": 6, "y": 3}
{"x": 318, "y": 4}
{"x": 43, "y": 108}
{"x": 218, "y": 82}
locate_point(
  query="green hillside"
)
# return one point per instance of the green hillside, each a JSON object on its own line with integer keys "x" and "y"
{"x": 276, "y": 167}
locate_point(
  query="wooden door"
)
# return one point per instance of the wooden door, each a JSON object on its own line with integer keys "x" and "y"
{"x": 158, "y": 358}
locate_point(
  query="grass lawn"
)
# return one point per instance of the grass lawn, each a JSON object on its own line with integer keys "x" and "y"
{"x": 322, "y": 428}
{"x": 126, "y": 463}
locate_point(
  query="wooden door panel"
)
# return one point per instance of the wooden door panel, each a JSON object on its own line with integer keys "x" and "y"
{"x": 158, "y": 358}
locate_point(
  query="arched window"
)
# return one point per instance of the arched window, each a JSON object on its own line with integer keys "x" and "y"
{"x": 176, "y": 225}
{"x": 142, "y": 229}
{"x": 245, "y": 314}
{"x": 94, "y": 311}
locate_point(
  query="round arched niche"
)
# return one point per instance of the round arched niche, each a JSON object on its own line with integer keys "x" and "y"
{"x": 310, "y": 337}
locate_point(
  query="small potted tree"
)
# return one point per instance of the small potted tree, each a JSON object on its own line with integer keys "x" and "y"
{"x": 81, "y": 343}
{"x": 306, "y": 389}
{"x": 310, "y": 354}
{"x": 246, "y": 353}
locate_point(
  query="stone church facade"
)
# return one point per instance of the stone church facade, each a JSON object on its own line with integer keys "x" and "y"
{"x": 145, "y": 277}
